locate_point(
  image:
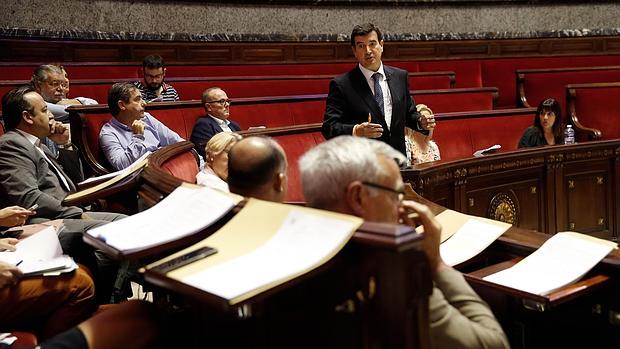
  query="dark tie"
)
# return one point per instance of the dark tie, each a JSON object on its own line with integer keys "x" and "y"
{"x": 47, "y": 155}
{"x": 378, "y": 92}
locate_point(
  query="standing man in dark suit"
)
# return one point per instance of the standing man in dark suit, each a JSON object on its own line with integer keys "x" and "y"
{"x": 372, "y": 100}
{"x": 217, "y": 106}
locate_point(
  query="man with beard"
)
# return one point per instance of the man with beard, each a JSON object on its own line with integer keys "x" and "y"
{"x": 154, "y": 88}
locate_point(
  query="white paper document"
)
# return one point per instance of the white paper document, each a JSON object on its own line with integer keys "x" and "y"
{"x": 130, "y": 168}
{"x": 489, "y": 150}
{"x": 304, "y": 241}
{"x": 183, "y": 212}
{"x": 561, "y": 260}
{"x": 471, "y": 239}
{"x": 39, "y": 253}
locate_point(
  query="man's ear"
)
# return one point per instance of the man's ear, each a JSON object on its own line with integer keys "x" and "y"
{"x": 121, "y": 105}
{"x": 27, "y": 117}
{"x": 354, "y": 198}
{"x": 279, "y": 183}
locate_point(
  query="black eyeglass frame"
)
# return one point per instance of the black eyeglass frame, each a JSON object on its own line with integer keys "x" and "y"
{"x": 400, "y": 193}
{"x": 221, "y": 101}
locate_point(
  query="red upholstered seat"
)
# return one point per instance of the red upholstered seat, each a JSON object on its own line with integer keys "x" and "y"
{"x": 24, "y": 340}
{"x": 594, "y": 106}
{"x": 183, "y": 166}
{"x": 459, "y": 135}
{"x": 539, "y": 85}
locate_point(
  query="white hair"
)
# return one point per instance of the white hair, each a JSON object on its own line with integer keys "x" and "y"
{"x": 327, "y": 169}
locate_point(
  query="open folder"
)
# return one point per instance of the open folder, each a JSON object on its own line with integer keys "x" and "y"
{"x": 40, "y": 254}
{"x": 256, "y": 253}
{"x": 187, "y": 210}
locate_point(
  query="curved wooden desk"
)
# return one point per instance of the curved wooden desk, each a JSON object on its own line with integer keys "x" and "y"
{"x": 549, "y": 189}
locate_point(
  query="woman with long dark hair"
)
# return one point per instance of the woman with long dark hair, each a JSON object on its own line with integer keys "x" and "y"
{"x": 548, "y": 126}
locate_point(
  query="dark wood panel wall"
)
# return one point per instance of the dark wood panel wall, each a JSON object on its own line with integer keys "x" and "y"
{"x": 294, "y": 52}
{"x": 548, "y": 189}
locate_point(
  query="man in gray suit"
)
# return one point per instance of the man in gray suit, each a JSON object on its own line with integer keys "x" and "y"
{"x": 359, "y": 176}
{"x": 29, "y": 176}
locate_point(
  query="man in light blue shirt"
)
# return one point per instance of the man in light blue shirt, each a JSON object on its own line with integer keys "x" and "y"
{"x": 132, "y": 132}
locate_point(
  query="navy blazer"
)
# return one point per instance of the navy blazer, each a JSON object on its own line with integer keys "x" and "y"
{"x": 204, "y": 129}
{"x": 350, "y": 100}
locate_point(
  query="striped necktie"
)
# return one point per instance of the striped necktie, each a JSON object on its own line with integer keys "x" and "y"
{"x": 378, "y": 92}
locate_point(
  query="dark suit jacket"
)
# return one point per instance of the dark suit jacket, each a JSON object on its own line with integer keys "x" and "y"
{"x": 26, "y": 179}
{"x": 350, "y": 100}
{"x": 206, "y": 128}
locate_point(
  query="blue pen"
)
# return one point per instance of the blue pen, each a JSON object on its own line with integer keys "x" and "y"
{"x": 18, "y": 263}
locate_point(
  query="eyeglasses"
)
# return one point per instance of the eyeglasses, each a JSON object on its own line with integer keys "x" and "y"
{"x": 56, "y": 83}
{"x": 399, "y": 192}
{"x": 221, "y": 101}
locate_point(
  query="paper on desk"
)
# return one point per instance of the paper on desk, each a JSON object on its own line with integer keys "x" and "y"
{"x": 39, "y": 253}
{"x": 561, "y": 260}
{"x": 470, "y": 239}
{"x": 129, "y": 168}
{"x": 303, "y": 241}
{"x": 185, "y": 211}
{"x": 489, "y": 150}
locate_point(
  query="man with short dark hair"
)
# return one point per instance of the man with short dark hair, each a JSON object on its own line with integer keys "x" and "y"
{"x": 132, "y": 132}
{"x": 372, "y": 100}
{"x": 359, "y": 176}
{"x": 30, "y": 176}
{"x": 257, "y": 168}
{"x": 217, "y": 106}
{"x": 154, "y": 89}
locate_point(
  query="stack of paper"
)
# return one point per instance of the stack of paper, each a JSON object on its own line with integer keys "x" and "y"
{"x": 256, "y": 254}
{"x": 187, "y": 210}
{"x": 39, "y": 254}
{"x": 463, "y": 236}
{"x": 561, "y": 260}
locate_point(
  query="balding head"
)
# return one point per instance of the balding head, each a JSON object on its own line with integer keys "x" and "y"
{"x": 257, "y": 168}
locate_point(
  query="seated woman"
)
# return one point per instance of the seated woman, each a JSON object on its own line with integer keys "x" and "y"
{"x": 548, "y": 126}
{"x": 215, "y": 172}
{"x": 420, "y": 148}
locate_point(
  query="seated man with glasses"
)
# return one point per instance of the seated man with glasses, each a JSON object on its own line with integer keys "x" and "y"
{"x": 52, "y": 83}
{"x": 154, "y": 89}
{"x": 217, "y": 106}
{"x": 359, "y": 176}
{"x": 131, "y": 132}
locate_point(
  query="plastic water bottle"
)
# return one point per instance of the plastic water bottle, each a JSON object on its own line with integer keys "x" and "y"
{"x": 569, "y": 135}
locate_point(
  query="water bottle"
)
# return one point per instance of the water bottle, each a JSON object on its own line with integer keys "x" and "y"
{"x": 569, "y": 135}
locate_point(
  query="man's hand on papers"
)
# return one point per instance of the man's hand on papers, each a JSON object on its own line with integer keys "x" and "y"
{"x": 14, "y": 215}
{"x": 432, "y": 231}
{"x": 137, "y": 126}
{"x": 9, "y": 274}
{"x": 8, "y": 244}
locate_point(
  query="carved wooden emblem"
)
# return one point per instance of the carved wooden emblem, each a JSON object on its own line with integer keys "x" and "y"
{"x": 503, "y": 208}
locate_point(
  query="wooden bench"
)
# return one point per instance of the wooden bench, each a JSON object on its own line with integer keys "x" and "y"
{"x": 459, "y": 135}
{"x": 536, "y": 85}
{"x": 592, "y": 110}
{"x": 190, "y": 88}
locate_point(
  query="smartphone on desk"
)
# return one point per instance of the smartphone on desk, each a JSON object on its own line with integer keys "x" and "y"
{"x": 185, "y": 259}
{"x": 14, "y": 232}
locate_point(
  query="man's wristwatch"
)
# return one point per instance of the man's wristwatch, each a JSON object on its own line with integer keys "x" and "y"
{"x": 67, "y": 145}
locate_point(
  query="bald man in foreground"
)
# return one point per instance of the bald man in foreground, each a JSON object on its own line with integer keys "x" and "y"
{"x": 257, "y": 168}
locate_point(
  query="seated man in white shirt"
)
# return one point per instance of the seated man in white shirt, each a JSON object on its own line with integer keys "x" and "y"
{"x": 132, "y": 132}
{"x": 217, "y": 106}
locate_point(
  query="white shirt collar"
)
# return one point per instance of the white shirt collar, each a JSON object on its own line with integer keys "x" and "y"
{"x": 219, "y": 121}
{"x": 30, "y": 137}
{"x": 368, "y": 73}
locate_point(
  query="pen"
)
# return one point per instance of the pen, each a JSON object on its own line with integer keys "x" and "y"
{"x": 18, "y": 263}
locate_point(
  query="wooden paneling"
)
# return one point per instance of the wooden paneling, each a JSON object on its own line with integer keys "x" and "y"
{"x": 545, "y": 189}
{"x": 290, "y": 52}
